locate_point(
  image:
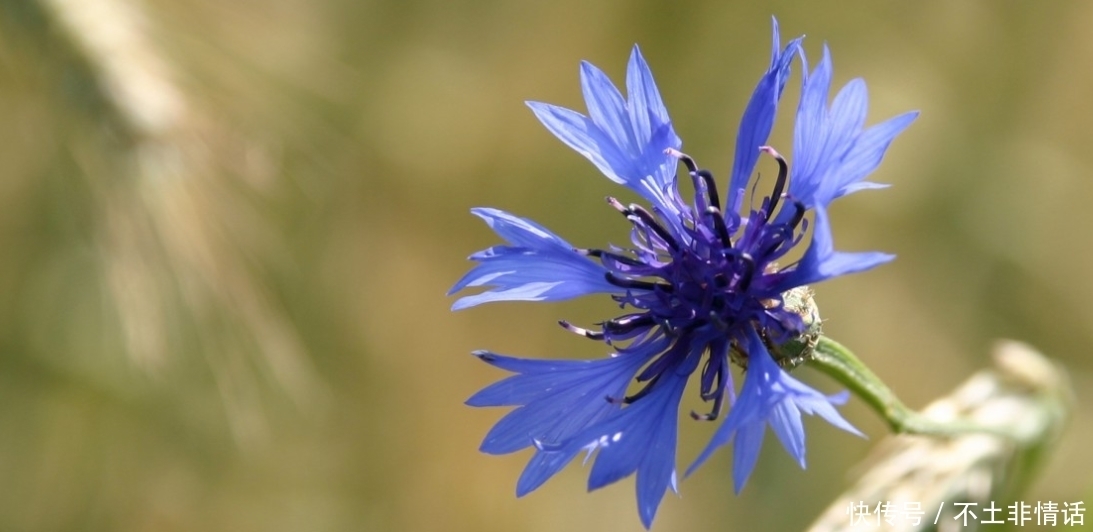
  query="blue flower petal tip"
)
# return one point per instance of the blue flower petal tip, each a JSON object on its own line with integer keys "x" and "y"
{"x": 703, "y": 282}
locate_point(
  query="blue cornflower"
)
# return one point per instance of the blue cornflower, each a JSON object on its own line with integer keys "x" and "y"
{"x": 705, "y": 282}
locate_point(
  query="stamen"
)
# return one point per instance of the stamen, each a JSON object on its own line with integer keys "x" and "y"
{"x": 658, "y": 366}
{"x": 592, "y": 335}
{"x": 683, "y": 157}
{"x": 618, "y": 205}
{"x": 599, "y": 254}
{"x": 717, "y": 321}
{"x": 644, "y": 391}
{"x": 783, "y": 236}
{"x": 711, "y": 188}
{"x": 719, "y": 401}
{"x": 712, "y": 198}
{"x": 744, "y": 280}
{"x": 639, "y": 216}
{"x": 776, "y": 238}
{"x": 626, "y": 324}
{"x": 780, "y": 182}
{"x": 635, "y": 284}
{"x": 719, "y": 226}
{"x": 798, "y": 214}
{"x": 647, "y": 218}
{"x": 709, "y": 373}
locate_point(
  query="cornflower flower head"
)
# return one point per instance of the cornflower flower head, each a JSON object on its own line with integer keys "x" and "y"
{"x": 707, "y": 283}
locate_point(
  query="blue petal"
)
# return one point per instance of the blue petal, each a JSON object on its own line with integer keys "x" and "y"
{"x": 832, "y": 153}
{"x": 759, "y": 115}
{"x": 557, "y": 398}
{"x": 638, "y": 438}
{"x": 847, "y": 115}
{"x": 535, "y": 377}
{"x": 625, "y": 139}
{"x": 747, "y": 442}
{"x": 606, "y": 106}
{"x": 642, "y": 439}
{"x": 769, "y": 395}
{"x": 546, "y": 463}
{"x": 539, "y": 267}
{"x": 862, "y": 185}
{"x": 585, "y": 137}
{"x": 868, "y": 150}
{"x": 645, "y": 107}
{"x": 810, "y": 131}
{"x": 785, "y": 420}
{"x": 520, "y": 231}
{"x": 822, "y": 262}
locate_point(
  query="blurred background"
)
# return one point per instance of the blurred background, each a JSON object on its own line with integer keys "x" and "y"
{"x": 228, "y": 229}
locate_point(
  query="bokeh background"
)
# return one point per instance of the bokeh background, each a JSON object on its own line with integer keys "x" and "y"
{"x": 227, "y": 230}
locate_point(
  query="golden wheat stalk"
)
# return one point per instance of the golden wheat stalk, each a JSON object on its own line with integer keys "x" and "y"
{"x": 175, "y": 235}
{"x": 1023, "y": 393}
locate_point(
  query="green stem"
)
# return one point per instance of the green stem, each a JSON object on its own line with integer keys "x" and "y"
{"x": 835, "y": 360}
